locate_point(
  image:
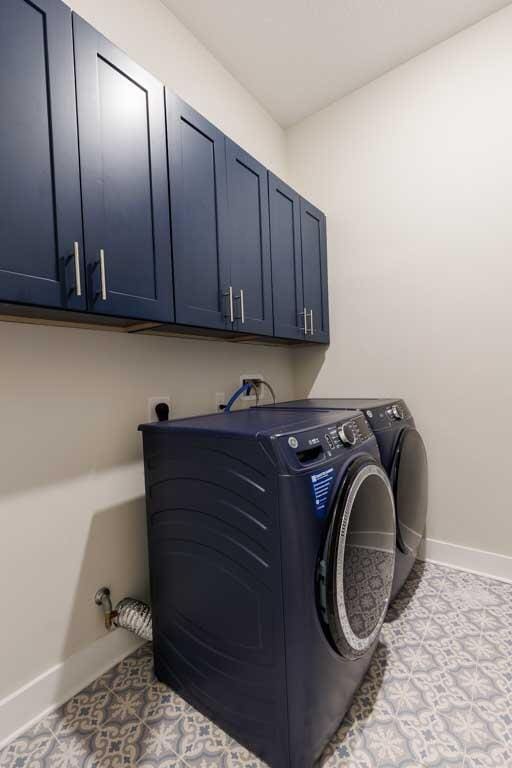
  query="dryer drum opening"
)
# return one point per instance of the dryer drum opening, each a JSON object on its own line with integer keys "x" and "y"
{"x": 409, "y": 477}
{"x": 360, "y": 559}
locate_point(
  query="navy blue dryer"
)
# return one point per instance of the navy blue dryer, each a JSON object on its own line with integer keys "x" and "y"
{"x": 271, "y": 551}
{"x": 403, "y": 456}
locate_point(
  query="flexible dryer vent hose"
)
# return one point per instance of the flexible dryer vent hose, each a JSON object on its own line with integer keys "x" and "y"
{"x": 135, "y": 616}
{"x": 129, "y": 613}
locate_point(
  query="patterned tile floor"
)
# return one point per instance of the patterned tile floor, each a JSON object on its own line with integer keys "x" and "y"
{"x": 438, "y": 693}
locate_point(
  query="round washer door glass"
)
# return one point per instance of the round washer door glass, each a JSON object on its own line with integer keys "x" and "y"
{"x": 360, "y": 559}
{"x": 410, "y": 482}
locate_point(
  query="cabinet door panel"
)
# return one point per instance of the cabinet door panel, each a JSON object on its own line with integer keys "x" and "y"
{"x": 314, "y": 268}
{"x": 285, "y": 250}
{"x": 249, "y": 241}
{"x": 197, "y": 173}
{"x": 121, "y": 122}
{"x": 40, "y": 209}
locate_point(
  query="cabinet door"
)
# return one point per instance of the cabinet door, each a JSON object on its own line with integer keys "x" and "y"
{"x": 314, "y": 271}
{"x": 121, "y": 126}
{"x": 249, "y": 241}
{"x": 285, "y": 251}
{"x": 197, "y": 173}
{"x": 40, "y": 209}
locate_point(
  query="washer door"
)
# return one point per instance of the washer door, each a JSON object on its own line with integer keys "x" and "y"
{"x": 359, "y": 558}
{"x": 409, "y": 477}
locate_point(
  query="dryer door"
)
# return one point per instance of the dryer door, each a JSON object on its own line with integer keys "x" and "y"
{"x": 409, "y": 477}
{"x": 359, "y": 558}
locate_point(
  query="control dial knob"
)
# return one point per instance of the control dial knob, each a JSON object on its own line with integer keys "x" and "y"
{"x": 346, "y": 434}
{"x": 396, "y": 412}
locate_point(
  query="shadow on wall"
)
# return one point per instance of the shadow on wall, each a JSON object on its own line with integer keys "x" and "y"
{"x": 115, "y": 555}
{"x": 307, "y": 364}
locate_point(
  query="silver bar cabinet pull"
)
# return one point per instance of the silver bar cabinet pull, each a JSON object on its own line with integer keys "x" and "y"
{"x": 103, "y": 275}
{"x": 229, "y": 295}
{"x": 311, "y": 330}
{"x": 78, "y": 278}
{"x": 304, "y": 314}
{"x": 242, "y": 308}
{"x": 231, "y": 305}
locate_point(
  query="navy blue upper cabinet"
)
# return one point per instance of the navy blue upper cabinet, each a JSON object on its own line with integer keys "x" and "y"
{"x": 285, "y": 248}
{"x": 249, "y": 241}
{"x": 117, "y": 198}
{"x": 197, "y": 173}
{"x": 123, "y": 162}
{"x": 314, "y": 271}
{"x": 40, "y": 212}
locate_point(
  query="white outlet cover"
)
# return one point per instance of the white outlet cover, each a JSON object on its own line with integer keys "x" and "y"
{"x": 250, "y": 376}
{"x": 152, "y": 401}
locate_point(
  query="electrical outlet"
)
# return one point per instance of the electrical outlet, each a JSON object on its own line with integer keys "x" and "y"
{"x": 220, "y": 399}
{"x": 244, "y": 378}
{"x": 152, "y": 401}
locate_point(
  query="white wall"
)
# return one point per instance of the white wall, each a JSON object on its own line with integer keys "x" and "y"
{"x": 414, "y": 172}
{"x": 71, "y": 482}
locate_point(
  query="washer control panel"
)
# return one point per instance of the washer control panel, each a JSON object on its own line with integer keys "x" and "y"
{"x": 317, "y": 444}
{"x": 347, "y": 434}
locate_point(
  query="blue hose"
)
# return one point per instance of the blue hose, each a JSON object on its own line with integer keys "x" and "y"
{"x": 244, "y": 389}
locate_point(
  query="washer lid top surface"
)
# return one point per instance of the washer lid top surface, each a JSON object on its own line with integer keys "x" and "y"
{"x": 350, "y": 403}
{"x": 409, "y": 476}
{"x": 249, "y": 422}
{"x": 359, "y": 558}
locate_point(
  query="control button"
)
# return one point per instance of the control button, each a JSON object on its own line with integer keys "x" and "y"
{"x": 396, "y": 412}
{"x": 329, "y": 440}
{"x": 293, "y": 442}
{"x": 347, "y": 435}
{"x": 369, "y": 414}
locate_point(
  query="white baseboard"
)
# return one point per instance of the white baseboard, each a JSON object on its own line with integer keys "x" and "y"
{"x": 467, "y": 559}
{"x": 23, "y": 707}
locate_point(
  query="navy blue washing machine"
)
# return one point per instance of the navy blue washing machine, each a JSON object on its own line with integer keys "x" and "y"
{"x": 271, "y": 550}
{"x": 403, "y": 456}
